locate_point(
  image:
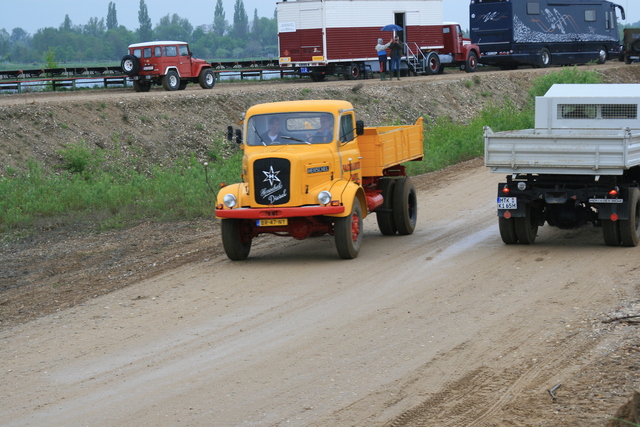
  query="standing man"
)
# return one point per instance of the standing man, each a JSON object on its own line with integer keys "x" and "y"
{"x": 397, "y": 48}
{"x": 382, "y": 57}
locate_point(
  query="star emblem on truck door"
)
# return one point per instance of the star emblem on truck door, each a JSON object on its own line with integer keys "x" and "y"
{"x": 271, "y": 176}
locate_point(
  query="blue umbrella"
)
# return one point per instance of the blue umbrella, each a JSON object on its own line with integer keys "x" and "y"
{"x": 391, "y": 27}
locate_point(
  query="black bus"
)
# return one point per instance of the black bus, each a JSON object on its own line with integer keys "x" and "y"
{"x": 544, "y": 32}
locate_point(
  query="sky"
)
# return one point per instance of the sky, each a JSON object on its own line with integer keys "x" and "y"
{"x": 31, "y": 15}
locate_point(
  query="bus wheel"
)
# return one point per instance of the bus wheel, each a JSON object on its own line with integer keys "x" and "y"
{"x": 545, "y": 57}
{"x": 602, "y": 55}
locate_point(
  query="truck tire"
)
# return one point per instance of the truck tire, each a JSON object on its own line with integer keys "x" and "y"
{"x": 471, "y": 63}
{"x": 611, "y": 232}
{"x": 602, "y": 55}
{"x": 507, "y": 228}
{"x": 171, "y": 81}
{"x": 630, "y": 228}
{"x": 348, "y": 232}
{"x": 353, "y": 72}
{"x": 527, "y": 227}
{"x": 432, "y": 63}
{"x": 141, "y": 86}
{"x": 405, "y": 206}
{"x": 545, "y": 58}
{"x": 386, "y": 223}
{"x": 207, "y": 79}
{"x": 236, "y": 245}
{"x": 130, "y": 65}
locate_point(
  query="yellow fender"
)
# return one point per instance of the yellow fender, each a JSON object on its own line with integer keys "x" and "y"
{"x": 239, "y": 190}
{"x": 346, "y": 192}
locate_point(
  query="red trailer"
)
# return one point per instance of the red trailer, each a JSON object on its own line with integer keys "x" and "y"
{"x": 323, "y": 37}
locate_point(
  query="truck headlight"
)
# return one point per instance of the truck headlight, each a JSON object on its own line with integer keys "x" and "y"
{"x": 324, "y": 197}
{"x": 229, "y": 200}
{"x": 522, "y": 186}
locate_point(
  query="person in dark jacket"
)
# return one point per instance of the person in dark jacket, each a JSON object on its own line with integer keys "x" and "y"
{"x": 397, "y": 48}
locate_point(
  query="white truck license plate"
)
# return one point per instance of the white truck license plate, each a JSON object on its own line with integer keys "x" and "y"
{"x": 507, "y": 203}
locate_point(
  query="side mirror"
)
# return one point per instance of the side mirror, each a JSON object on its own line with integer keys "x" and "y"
{"x": 359, "y": 127}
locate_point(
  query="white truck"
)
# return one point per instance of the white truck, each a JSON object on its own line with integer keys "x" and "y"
{"x": 579, "y": 165}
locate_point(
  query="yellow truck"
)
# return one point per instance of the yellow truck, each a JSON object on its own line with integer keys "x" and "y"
{"x": 310, "y": 169}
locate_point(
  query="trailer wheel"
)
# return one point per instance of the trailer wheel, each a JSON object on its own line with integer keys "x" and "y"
{"x": 630, "y": 228}
{"x": 207, "y": 79}
{"x": 545, "y": 58}
{"x": 141, "y": 86}
{"x": 432, "y": 63}
{"x": 611, "y": 232}
{"x": 348, "y": 232}
{"x": 317, "y": 77}
{"x": 405, "y": 206}
{"x": 386, "y": 223}
{"x": 472, "y": 62}
{"x": 171, "y": 81}
{"x": 353, "y": 72}
{"x": 236, "y": 244}
{"x": 508, "y": 230}
{"x": 527, "y": 227}
{"x": 602, "y": 55}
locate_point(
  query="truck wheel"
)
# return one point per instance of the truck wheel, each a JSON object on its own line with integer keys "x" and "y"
{"x": 611, "y": 232}
{"x": 545, "y": 58}
{"x": 353, "y": 72}
{"x": 207, "y": 79}
{"x": 171, "y": 81}
{"x": 432, "y": 63}
{"x": 527, "y": 227}
{"x": 405, "y": 206}
{"x": 139, "y": 86}
{"x": 235, "y": 243}
{"x": 348, "y": 232}
{"x": 508, "y": 230}
{"x": 386, "y": 223}
{"x": 472, "y": 62}
{"x": 627, "y": 60}
{"x": 130, "y": 65}
{"x": 602, "y": 55}
{"x": 630, "y": 228}
{"x": 183, "y": 85}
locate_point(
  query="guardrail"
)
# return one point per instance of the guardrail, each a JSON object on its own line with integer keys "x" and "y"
{"x": 70, "y": 78}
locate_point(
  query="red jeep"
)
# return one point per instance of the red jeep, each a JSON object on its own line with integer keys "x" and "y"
{"x": 165, "y": 63}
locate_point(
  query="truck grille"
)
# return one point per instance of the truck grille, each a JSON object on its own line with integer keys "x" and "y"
{"x": 271, "y": 181}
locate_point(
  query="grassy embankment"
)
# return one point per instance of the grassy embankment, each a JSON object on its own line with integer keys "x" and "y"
{"x": 86, "y": 189}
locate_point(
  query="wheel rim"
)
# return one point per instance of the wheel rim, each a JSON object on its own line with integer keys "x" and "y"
{"x": 355, "y": 227}
{"x": 433, "y": 65}
{"x": 603, "y": 55}
{"x": 128, "y": 65}
{"x": 209, "y": 79}
{"x": 173, "y": 81}
{"x": 472, "y": 61}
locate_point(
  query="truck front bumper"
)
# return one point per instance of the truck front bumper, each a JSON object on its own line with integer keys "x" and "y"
{"x": 267, "y": 213}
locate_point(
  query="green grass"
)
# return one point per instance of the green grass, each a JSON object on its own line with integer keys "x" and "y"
{"x": 113, "y": 189}
{"x": 89, "y": 190}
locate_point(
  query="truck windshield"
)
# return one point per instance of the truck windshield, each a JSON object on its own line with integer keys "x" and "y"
{"x": 290, "y": 128}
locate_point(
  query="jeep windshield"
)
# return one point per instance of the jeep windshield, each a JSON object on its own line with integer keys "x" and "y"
{"x": 290, "y": 128}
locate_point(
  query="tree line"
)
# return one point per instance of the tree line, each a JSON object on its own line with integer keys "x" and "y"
{"x": 105, "y": 40}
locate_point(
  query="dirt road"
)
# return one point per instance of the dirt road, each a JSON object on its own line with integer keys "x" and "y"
{"x": 446, "y": 327}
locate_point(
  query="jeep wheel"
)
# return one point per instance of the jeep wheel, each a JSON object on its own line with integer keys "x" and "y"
{"x": 171, "y": 81}
{"x": 130, "y": 65}
{"x": 183, "y": 85}
{"x": 206, "y": 78}
{"x": 141, "y": 86}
